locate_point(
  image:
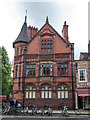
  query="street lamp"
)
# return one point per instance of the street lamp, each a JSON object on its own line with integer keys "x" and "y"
{"x": 23, "y": 84}
{"x": 73, "y": 103}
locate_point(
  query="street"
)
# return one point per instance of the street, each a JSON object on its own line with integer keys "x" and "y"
{"x": 54, "y": 117}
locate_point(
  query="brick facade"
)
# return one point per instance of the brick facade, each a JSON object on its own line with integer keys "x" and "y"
{"x": 59, "y": 54}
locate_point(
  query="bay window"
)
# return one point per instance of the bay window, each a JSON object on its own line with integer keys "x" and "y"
{"x": 46, "y": 69}
{"x": 62, "y": 69}
{"x": 30, "y": 70}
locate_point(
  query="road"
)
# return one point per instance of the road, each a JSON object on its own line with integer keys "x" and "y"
{"x": 57, "y": 117}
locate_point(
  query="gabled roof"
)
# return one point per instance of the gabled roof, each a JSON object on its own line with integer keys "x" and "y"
{"x": 23, "y": 35}
{"x": 47, "y": 22}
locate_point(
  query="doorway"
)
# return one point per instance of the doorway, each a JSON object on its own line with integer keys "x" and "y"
{"x": 80, "y": 102}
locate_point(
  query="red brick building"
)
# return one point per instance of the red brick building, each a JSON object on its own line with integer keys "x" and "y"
{"x": 83, "y": 80}
{"x": 42, "y": 66}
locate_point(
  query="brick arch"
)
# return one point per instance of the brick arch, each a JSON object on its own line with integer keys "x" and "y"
{"x": 64, "y": 84}
{"x": 32, "y": 84}
{"x": 43, "y": 84}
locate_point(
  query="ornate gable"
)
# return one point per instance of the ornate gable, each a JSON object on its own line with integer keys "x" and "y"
{"x": 47, "y": 32}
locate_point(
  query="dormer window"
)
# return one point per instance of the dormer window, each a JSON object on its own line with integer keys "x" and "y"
{"x": 46, "y": 46}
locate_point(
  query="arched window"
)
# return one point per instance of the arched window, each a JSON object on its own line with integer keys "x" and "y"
{"x": 62, "y": 92}
{"x": 46, "y": 92}
{"x": 30, "y": 92}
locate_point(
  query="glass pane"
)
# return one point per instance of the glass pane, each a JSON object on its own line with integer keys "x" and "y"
{"x": 50, "y": 94}
{"x": 30, "y": 66}
{"x": 48, "y": 41}
{"x": 66, "y": 88}
{"x": 51, "y": 50}
{"x": 46, "y": 94}
{"x": 48, "y": 45}
{"x": 42, "y": 88}
{"x": 42, "y": 51}
{"x": 33, "y": 66}
{"x": 62, "y": 87}
{"x": 62, "y": 94}
{"x": 26, "y": 94}
{"x": 33, "y": 94}
{"x": 30, "y": 88}
{"x": 27, "y": 72}
{"x": 47, "y": 50}
{"x": 49, "y": 88}
{"x": 47, "y": 65}
{"x": 50, "y": 65}
{"x": 30, "y": 94}
{"x": 59, "y": 94}
{"x": 42, "y": 45}
{"x": 66, "y": 94}
{"x": 41, "y": 72}
{"x": 46, "y": 87}
{"x": 42, "y": 42}
{"x": 42, "y": 94}
{"x": 59, "y": 88}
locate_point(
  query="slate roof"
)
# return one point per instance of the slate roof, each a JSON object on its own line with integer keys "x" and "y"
{"x": 23, "y": 35}
{"x": 83, "y": 56}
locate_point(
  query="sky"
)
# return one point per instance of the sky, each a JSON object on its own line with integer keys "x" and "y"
{"x": 74, "y": 12}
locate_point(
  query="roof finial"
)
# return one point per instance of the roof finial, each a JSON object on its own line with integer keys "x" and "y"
{"x": 47, "y": 20}
{"x": 26, "y": 16}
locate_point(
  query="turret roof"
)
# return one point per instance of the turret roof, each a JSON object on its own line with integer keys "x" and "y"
{"x": 23, "y": 35}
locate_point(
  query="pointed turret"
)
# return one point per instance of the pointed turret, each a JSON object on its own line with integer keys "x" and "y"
{"x": 24, "y": 34}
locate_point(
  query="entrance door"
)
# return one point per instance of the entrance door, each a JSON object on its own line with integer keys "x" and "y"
{"x": 80, "y": 102}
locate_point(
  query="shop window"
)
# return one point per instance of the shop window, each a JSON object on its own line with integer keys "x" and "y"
{"x": 30, "y": 70}
{"x": 62, "y": 92}
{"x": 46, "y": 69}
{"x": 46, "y": 92}
{"x": 62, "y": 69}
{"x": 82, "y": 75}
{"x": 30, "y": 92}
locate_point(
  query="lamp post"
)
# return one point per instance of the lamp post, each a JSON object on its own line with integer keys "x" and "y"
{"x": 73, "y": 103}
{"x": 23, "y": 85}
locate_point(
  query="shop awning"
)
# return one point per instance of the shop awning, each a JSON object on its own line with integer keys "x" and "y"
{"x": 83, "y": 92}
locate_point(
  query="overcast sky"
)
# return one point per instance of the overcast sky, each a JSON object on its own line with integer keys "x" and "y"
{"x": 74, "y": 12}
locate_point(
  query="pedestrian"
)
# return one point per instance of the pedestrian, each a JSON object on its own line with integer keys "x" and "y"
{"x": 14, "y": 104}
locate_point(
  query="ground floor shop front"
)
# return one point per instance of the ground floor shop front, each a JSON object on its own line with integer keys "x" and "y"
{"x": 82, "y": 99}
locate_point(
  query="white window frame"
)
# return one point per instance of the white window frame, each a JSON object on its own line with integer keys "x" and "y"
{"x": 79, "y": 75}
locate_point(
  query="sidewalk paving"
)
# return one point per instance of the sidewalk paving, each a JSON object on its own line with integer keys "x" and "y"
{"x": 76, "y": 112}
{"x": 72, "y": 112}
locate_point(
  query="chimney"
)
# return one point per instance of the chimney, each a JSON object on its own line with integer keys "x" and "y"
{"x": 65, "y": 32}
{"x": 32, "y": 31}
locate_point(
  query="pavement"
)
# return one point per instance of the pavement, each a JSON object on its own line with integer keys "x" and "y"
{"x": 71, "y": 112}
{"x": 74, "y": 112}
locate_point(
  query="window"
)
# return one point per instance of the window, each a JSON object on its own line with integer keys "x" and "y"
{"x": 30, "y": 70}
{"x": 82, "y": 75}
{"x": 62, "y": 92}
{"x": 46, "y": 46}
{"x": 62, "y": 69}
{"x": 17, "y": 51}
{"x": 16, "y": 71}
{"x": 46, "y": 92}
{"x": 46, "y": 69}
{"x": 30, "y": 92}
